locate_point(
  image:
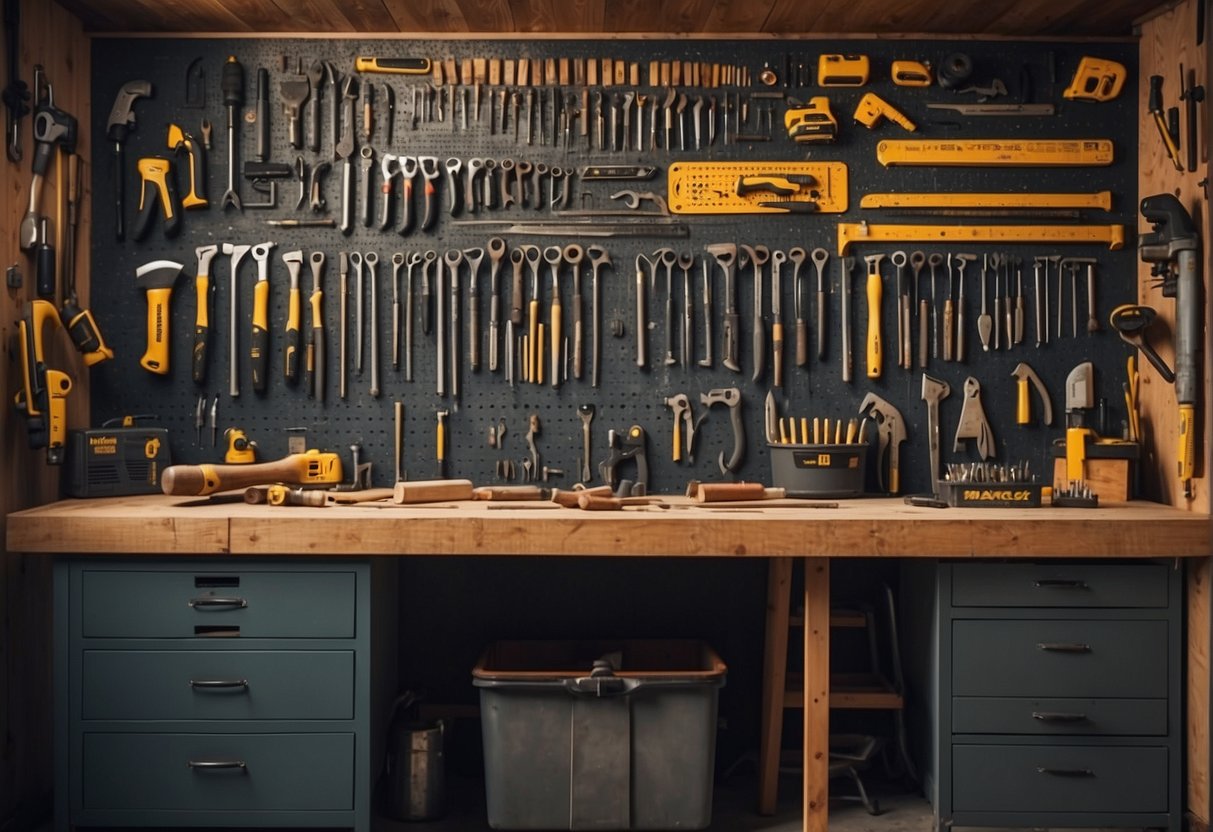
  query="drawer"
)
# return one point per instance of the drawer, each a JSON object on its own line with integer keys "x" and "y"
{"x": 279, "y": 772}
{"x": 1059, "y": 585}
{"x": 217, "y": 684}
{"x": 1051, "y": 778}
{"x": 1060, "y": 658}
{"x": 117, "y": 604}
{"x": 1059, "y": 717}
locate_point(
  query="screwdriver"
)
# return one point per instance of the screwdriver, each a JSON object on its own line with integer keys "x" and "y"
{"x": 231, "y": 82}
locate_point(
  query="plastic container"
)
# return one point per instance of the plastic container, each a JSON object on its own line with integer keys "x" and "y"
{"x": 819, "y": 470}
{"x": 601, "y": 735}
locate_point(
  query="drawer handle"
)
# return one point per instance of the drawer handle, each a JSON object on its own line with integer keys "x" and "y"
{"x": 208, "y": 603}
{"x": 1063, "y": 647}
{"x": 1061, "y": 583}
{"x": 211, "y": 684}
{"x": 211, "y": 765}
{"x": 1065, "y": 772}
{"x": 1058, "y": 716}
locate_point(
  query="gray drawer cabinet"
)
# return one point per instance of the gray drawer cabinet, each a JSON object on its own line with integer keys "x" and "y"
{"x": 212, "y": 693}
{"x": 1052, "y": 693}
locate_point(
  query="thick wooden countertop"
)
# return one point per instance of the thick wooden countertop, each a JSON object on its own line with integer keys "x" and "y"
{"x": 156, "y": 525}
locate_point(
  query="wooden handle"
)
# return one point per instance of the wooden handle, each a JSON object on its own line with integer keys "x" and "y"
{"x": 510, "y": 492}
{"x": 723, "y": 492}
{"x": 432, "y": 491}
{"x": 366, "y": 495}
{"x": 1023, "y": 403}
{"x": 568, "y": 499}
{"x": 595, "y": 502}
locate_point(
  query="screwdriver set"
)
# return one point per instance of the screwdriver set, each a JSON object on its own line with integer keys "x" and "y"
{"x": 421, "y": 242}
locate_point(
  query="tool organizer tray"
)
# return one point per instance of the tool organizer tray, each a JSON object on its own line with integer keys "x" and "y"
{"x": 624, "y": 70}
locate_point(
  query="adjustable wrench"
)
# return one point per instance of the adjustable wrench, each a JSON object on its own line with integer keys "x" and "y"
{"x": 413, "y": 260}
{"x": 899, "y": 261}
{"x": 685, "y": 261}
{"x": 259, "y": 348}
{"x": 726, "y": 258}
{"x": 367, "y": 153}
{"x": 496, "y": 250}
{"x": 820, "y": 257}
{"x": 757, "y": 256}
{"x": 236, "y": 253}
{"x": 667, "y": 257}
{"x": 372, "y": 261}
{"x": 356, "y": 262}
{"x": 574, "y": 254}
{"x": 427, "y": 291}
{"x": 598, "y": 258}
{"x": 474, "y": 257}
{"x": 554, "y": 256}
{"x": 397, "y": 262}
{"x": 453, "y": 259}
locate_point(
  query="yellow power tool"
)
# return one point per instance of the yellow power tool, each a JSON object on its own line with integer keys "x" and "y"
{"x": 42, "y": 399}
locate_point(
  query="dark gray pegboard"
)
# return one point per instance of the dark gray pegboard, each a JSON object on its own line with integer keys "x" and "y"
{"x": 627, "y": 395}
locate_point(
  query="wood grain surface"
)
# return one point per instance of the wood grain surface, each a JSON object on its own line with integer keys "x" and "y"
{"x": 1073, "y": 18}
{"x": 859, "y": 528}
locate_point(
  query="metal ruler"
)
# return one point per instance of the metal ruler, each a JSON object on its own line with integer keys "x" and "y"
{"x": 996, "y": 152}
{"x": 850, "y": 233}
{"x": 1101, "y": 200}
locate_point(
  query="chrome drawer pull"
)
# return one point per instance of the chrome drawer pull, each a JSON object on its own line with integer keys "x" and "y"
{"x": 218, "y": 683}
{"x": 216, "y": 764}
{"x": 204, "y": 603}
{"x": 1060, "y": 583}
{"x": 1063, "y": 647}
{"x": 1057, "y": 716}
{"x": 1065, "y": 772}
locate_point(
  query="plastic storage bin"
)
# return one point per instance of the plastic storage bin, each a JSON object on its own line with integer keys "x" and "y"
{"x": 602, "y": 735}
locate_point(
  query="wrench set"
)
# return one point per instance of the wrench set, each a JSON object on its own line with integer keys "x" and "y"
{"x": 504, "y": 243}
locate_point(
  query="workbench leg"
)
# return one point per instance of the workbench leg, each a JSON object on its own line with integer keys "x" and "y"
{"x": 816, "y": 694}
{"x": 774, "y": 681}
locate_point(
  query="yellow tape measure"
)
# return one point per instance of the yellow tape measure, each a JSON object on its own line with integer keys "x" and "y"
{"x": 996, "y": 152}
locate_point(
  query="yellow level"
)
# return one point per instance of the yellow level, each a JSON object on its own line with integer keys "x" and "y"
{"x": 996, "y": 152}
{"x": 1101, "y": 200}
{"x": 850, "y": 233}
{"x": 757, "y": 187}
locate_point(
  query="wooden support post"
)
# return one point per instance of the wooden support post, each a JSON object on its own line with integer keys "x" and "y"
{"x": 774, "y": 680}
{"x": 816, "y": 694}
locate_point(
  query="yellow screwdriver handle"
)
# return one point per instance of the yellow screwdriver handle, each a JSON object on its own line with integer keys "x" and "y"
{"x": 155, "y": 358}
{"x": 1186, "y": 460}
{"x": 677, "y": 455}
{"x": 291, "y": 348}
{"x": 555, "y": 336}
{"x": 1023, "y": 403}
{"x": 875, "y": 350}
{"x": 533, "y": 351}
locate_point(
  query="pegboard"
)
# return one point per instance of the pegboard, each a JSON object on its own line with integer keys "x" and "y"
{"x": 627, "y": 394}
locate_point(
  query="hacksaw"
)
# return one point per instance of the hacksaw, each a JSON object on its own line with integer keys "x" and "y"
{"x": 712, "y": 187}
{"x": 862, "y": 232}
{"x": 1101, "y": 200}
{"x": 996, "y": 152}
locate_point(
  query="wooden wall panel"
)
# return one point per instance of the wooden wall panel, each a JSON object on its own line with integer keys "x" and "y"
{"x": 1071, "y": 18}
{"x": 54, "y": 38}
{"x": 1167, "y": 41}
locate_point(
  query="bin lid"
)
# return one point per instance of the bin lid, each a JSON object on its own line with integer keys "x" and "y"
{"x": 685, "y": 659}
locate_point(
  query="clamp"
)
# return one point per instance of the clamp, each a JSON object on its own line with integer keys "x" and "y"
{"x": 890, "y": 433}
{"x": 631, "y": 446}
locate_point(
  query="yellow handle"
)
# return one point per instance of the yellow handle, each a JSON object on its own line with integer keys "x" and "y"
{"x": 538, "y": 379}
{"x": 441, "y": 440}
{"x": 556, "y": 315}
{"x": 533, "y": 352}
{"x": 875, "y": 350}
{"x": 202, "y": 286}
{"x": 261, "y": 298}
{"x": 1076, "y": 452}
{"x": 155, "y": 359}
{"x": 1186, "y": 461}
{"x": 804, "y": 430}
{"x": 677, "y": 456}
{"x": 1023, "y": 406}
{"x": 777, "y": 349}
{"x": 317, "y": 315}
{"x": 292, "y": 311}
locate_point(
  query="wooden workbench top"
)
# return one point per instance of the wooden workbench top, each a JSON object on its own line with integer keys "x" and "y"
{"x": 158, "y": 525}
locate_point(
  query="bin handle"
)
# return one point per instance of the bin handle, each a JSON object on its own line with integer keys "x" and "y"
{"x": 601, "y": 685}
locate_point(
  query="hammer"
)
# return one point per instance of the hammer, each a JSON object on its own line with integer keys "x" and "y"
{"x": 157, "y": 279}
